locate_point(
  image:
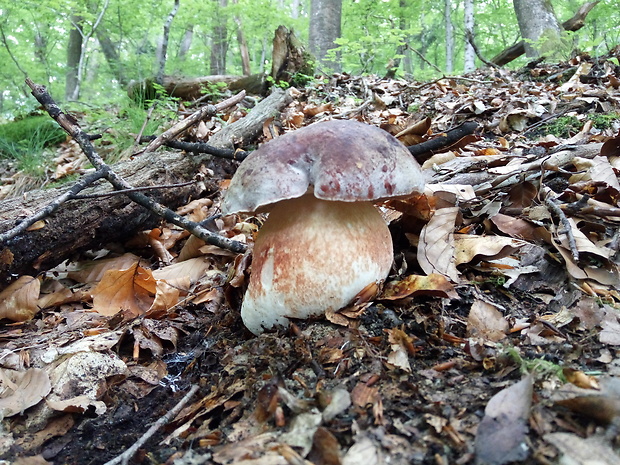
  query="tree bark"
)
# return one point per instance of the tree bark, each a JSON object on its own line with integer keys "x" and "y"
{"x": 86, "y": 224}
{"x": 402, "y": 48}
{"x": 449, "y": 36}
{"x": 537, "y": 22}
{"x": 186, "y": 42}
{"x": 74, "y": 51}
{"x": 470, "y": 53}
{"x": 573, "y": 24}
{"x": 160, "y": 58}
{"x": 325, "y": 28}
{"x": 111, "y": 55}
{"x": 219, "y": 40}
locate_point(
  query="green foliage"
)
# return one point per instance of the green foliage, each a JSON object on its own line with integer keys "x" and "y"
{"x": 563, "y": 127}
{"x": 537, "y": 366}
{"x": 567, "y": 126}
{"x": 25, "y": 140}
{"x": 604, "y": 120}
{"x": 376, "y": 35}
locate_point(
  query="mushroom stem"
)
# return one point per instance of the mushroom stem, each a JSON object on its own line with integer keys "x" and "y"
{"x": 314, "y": 255}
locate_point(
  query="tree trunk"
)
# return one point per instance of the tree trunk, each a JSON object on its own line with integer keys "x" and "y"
{"x": 74, "y": 52}
{"x": 537, "y": 22}
{"x": 401, "y": 49}
{"x": 219, "y": 40}
{"x": 163, "y": 49}
{"x": 573, "y": 24}
{"x": 186, "y": 42}
{"x": 243, "y": 48}
{"x": 449, "y": 36}
{"x": 288, "y": 56}
{"x": 325, "y": 24}
{"x": 470, "y": 54}
{"x": 111, "y": 55}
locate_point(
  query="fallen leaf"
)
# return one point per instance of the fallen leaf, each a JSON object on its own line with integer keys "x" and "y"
{"x": 413, "y": 285}
{"x": 131, "y": 290}
{"x": 468, "y": 248}
{"x": 92, "y": 271}
{"x": 20, "y": 390}
{"x": 502, "y": 432}
{"x": 486, "y": 321}
{"x": 18, "y": 302}
{"x": 583, "y": 451}
{"x": 436, "y": 247}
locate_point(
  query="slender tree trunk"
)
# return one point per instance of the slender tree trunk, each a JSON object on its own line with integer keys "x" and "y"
{"x": 186, "y": 42}
{"x": 76, "y": 78}
{"x": 111, "y": 55}
{"x": 74, "y": 52}
{"x": 243, "y": 46}
{"x": 401, "y": 49}
{"x": 163, "y": 48}
{"x": 325, "y": 28}
{"x": 536, "y": 21}
{"x": 470, "y": 54}
{"x": 449, "y": 35}
{"x": 219, "y": 42}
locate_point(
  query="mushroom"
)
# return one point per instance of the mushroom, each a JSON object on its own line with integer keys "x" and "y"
{"x": 324, "y": 241}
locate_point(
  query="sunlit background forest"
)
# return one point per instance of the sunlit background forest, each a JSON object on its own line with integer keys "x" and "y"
{"x": 121, "y": 40}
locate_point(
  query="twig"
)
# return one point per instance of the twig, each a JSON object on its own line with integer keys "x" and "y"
{"x": 470, "y": 38}
{"x": 449, "y": 137}
{"x": 203, "y": 112}
{"x": 552, "y": 203}
{"x": 133, "y": 189}
{"x": 69, "y": 124}
{"x": 201, "y": 147}
{"x": 129, "y": 453}
{"x": 80, "y": 185}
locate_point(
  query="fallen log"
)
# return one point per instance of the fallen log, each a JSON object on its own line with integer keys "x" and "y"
{"x": 80, "y": 225}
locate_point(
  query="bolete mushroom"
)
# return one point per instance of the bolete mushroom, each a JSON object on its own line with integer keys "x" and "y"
{"x": 324, "y": 241}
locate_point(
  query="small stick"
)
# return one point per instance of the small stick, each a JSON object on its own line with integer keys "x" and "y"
{"x": 129, "y": 453}
{"x": 201, "y": 147}
{"x": 203, "y": 112}
{"x": 552, "y": 203}
{"x": 133, "y": 189}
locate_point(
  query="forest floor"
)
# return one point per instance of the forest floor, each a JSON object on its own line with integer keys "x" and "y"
{"x": 505, "y": 353}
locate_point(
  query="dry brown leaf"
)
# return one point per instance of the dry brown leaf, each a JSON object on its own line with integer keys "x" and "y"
{"x": 580, "y": 379}
{"x": 436, "y": 246}
{"x": 189, "y": 271}
{"x": 131, "y": 290}
{"x": 191, "y": 248}
{"x": 486, "y": 321}
{"x": 412, "y": 285}
{"x": 18, "y": 302}
{"x": 92, "y": 271}
{"x": 20, "y": 390}
{"x": 595, "y": 169}
{"x": 166, "y": 296}
{"x": 514, "y": 227}
{"x": 402, "y": 346}
{"x": 77, "y": 404}
{"x": 502, "y": 432}
{"x": 468, "y": 248}
{"x": 583, "y": 451}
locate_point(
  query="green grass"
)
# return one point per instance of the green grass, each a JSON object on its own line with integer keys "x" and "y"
{"x": 25, "y": 141}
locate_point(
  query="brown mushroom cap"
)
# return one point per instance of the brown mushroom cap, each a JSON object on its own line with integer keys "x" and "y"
{"x": 344, "y": 161}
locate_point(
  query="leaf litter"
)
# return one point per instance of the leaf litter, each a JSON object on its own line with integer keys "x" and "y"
{"x": 493, "y": 341}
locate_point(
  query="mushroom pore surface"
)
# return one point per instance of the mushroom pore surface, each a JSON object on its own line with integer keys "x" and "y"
{"x": 312, "y": 256}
